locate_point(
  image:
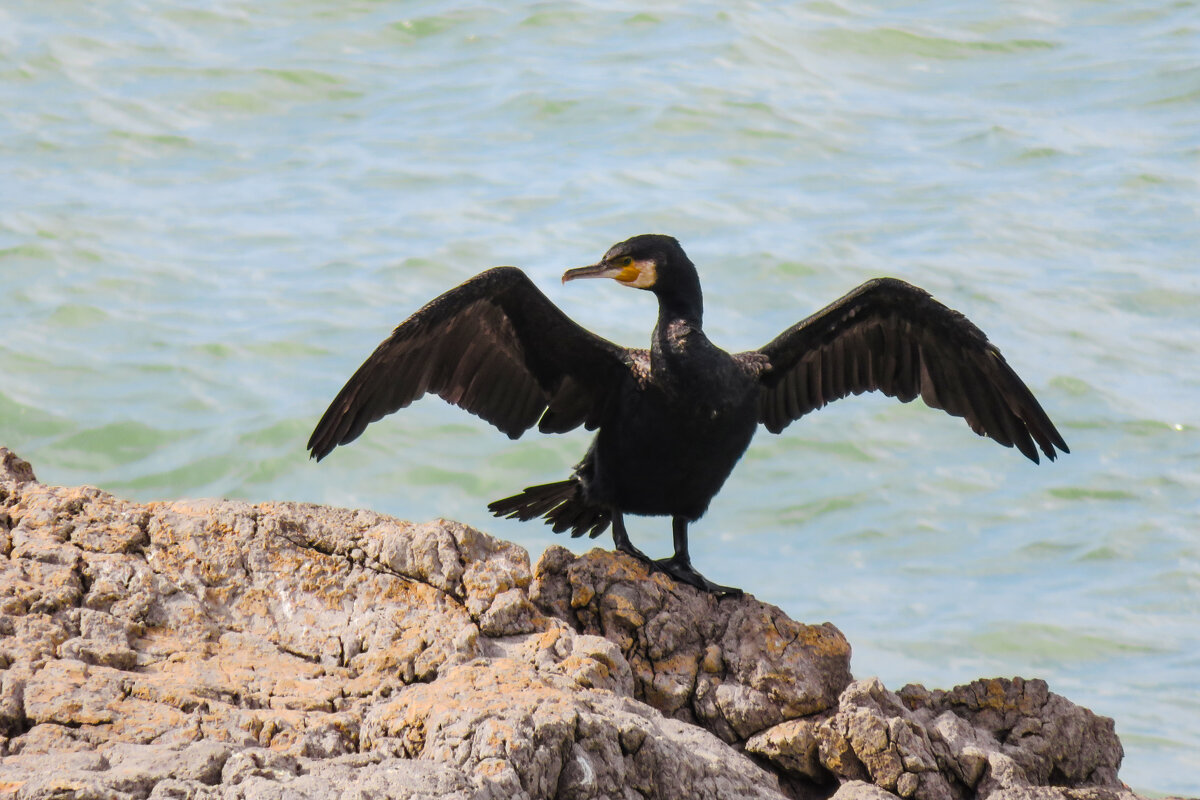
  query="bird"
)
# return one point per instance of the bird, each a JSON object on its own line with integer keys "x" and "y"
{"x": 671, "y": 421}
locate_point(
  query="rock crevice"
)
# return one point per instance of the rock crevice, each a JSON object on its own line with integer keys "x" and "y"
{"x": 218, "y": 649}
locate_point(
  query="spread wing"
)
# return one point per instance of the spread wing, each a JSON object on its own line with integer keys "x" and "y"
{"x": 495, "y": 346}
{"x": 890, "y": 336}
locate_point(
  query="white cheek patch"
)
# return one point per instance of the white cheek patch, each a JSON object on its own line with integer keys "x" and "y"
{"x": 647, "y": 275}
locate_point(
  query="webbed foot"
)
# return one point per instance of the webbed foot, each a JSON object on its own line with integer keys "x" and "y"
{"x": 681, "y": 570}
{"x": 628, "y": 548}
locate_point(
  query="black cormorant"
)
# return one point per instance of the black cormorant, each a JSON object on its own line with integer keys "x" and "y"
{"x": 673, "y": 420}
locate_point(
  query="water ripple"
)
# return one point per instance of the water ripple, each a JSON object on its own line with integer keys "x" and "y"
{"x": 212, "y": 211}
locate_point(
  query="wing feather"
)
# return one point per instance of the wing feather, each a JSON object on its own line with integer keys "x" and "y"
{"x": 890, "y": 336}
{"x": 495, "y": 346}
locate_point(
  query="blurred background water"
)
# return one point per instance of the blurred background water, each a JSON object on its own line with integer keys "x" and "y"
{"x": 212, "y": 210}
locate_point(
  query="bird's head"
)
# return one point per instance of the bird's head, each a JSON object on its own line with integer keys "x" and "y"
{"x": 649, "y": 261}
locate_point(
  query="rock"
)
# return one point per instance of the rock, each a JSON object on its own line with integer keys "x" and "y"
{"x": 873, "y": 735}
{"x": 734, "y": 665}
{"x": 523, "y": 731}
{"x": 215, "y": 649}
{"x": 948, "y": 745}
{"x": 793, "y": 745}
{"x": 1057, "y": 793}
{"x": 861, "y": 790}
{"x": 1046, "y": 738}
{"x": 13, "y": 468}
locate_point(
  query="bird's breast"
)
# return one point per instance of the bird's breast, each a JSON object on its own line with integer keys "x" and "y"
{"x": 669, "y": 452}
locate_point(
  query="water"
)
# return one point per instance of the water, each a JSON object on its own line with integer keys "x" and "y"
{"x": 210, "y": 212}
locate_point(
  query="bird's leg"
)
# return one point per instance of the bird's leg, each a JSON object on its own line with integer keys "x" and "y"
{"x": 621, "y": 539}
{"x": 679, "y": 566}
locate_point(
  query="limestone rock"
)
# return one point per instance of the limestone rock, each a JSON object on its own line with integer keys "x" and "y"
{"x": 989, "y": 739}
{"x": 213, "y": 649}
{"x": 13, "y": 468}
{"x": 861, "y": 790}
{"x": 733, "y": 665}
{"x": 520, "y": 731}
{"x": 793, "y": 745}
{"x": 873, "y": 735}
{"x": 1059, "y": 793}
{"x": 222, "y": 649}
{"x": 1046, "y": 738}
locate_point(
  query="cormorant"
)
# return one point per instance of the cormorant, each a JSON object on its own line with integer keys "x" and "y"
{"x": 673, "y": 420}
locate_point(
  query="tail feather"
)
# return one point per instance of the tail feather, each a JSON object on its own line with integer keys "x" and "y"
{"x": 561, "y": 504}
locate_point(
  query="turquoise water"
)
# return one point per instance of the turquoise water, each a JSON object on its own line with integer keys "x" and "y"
{"x": 210, "y": 212}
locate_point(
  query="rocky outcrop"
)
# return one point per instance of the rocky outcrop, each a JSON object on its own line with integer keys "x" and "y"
{"x": 226, "y": 650}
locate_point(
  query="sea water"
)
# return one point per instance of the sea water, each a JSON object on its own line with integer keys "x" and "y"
{"x": 212, "y": 210}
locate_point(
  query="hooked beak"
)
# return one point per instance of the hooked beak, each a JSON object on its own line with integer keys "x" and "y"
{"x": 600, "y": 270}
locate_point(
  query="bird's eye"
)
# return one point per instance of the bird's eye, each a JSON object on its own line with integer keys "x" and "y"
{"x": 625, "y": 261}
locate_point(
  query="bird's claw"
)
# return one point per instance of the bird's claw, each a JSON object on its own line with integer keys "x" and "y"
{"x": 629, "y": 549}
{"x": 683, "y": 572}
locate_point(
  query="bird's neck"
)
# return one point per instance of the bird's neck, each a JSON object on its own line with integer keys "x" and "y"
{"x": 681, "y": 304}
{"x": 677, "y": 336}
